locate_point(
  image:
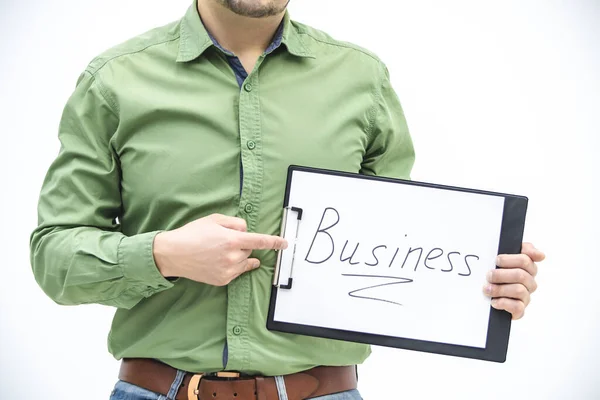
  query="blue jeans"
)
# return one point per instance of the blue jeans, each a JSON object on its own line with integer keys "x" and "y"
{"x": 127, "y": 391}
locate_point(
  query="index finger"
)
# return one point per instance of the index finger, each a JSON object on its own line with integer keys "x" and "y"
{"x": 515, "y": 261}
{"x": 259, "y": 241}
{"x": 533, "y": 253}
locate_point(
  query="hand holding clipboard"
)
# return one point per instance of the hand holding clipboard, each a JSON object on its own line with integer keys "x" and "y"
{"x": 393, "y": 263}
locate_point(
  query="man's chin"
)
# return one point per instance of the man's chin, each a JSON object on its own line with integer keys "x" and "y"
{"x": 253, "y": 8}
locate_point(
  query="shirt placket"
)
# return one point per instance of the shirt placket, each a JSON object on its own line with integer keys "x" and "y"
{"x": 239, "y": 291}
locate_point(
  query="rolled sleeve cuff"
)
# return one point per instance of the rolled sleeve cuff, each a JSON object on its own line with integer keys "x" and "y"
{"x": 136, "y": 260}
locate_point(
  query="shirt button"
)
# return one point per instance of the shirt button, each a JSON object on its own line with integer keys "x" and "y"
{"x": 251, "y": 144}
{"x": 237, "y": 330}
{"x": 248, "y": 87}
{"x": 248, "y": 208}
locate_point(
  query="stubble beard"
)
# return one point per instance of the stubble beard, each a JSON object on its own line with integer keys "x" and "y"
{"x": 253, "y": 8}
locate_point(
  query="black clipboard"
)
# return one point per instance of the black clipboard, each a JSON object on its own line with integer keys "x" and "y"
{"x": 511, "y": 236}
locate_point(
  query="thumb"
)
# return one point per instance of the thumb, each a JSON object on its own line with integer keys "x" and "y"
{"x": 228, "y": 222}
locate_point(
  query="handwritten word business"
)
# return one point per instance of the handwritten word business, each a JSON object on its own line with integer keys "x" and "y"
{"x": 454, "y": 261}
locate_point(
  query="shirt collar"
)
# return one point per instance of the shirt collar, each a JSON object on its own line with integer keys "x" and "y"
{"x": 272, "y": 47}
{"x": 195, "y": 39}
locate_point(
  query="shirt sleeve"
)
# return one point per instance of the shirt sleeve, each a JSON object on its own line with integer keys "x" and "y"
{"x": 390, "y": 150}
{"x": 78, "y": 253}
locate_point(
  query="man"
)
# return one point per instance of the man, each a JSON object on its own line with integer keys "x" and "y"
{"x": 165, "y": 199}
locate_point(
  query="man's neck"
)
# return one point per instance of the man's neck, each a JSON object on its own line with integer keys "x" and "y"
{"x": 242, "y": 36}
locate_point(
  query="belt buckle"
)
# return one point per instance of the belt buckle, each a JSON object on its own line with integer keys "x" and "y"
{"x": 194, "y": 385}
{"x": 228, "y": 375}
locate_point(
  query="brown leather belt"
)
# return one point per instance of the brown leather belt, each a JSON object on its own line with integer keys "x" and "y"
{"x": 158, "y": 377}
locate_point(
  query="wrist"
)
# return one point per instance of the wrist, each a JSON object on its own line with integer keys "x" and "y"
{"x": 161, "y": 252}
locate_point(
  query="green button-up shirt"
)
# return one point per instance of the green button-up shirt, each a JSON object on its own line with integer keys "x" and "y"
{"x": 154, "y": 136}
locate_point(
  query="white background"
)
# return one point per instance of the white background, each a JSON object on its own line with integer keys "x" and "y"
{"x": 499, "y": 95}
